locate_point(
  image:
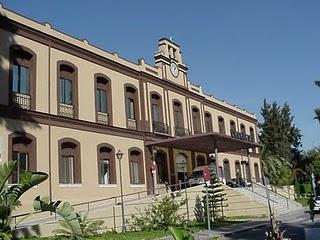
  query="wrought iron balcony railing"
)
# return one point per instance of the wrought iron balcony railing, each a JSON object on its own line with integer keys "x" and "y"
{"x": 160, "y": 127}
{"x": 66, "y": 110}
{"x": 103, "y": 118}
{"x": 180, "y": 132}
{"x": 21, "y": 100}
{"x": 241, "y": 136}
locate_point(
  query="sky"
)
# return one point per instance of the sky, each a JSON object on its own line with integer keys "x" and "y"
{"x": 242, "y": 50}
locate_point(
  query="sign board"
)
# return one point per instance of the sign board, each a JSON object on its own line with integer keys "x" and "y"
{"x": 1, "y": 148}
{"x": 206, "y": 174}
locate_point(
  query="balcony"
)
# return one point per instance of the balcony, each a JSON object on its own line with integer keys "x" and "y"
{"x": 103, "y": 118}
{"x": 21, "y": 100}
{"x": 160, "y": 127}
{"x": 132, "y": 124}
{"x": 180, "y": 132}
{"x": 66, "y": 110}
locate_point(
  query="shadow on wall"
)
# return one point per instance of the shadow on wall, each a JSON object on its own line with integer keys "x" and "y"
{"x": 9, "y": 111}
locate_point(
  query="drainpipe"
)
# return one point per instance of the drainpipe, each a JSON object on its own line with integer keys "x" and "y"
{"x": 49, "y": 110}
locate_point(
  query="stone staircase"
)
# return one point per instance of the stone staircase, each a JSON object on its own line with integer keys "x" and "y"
{"x": 280, "y": 204}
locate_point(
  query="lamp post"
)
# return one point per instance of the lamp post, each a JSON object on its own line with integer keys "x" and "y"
{"x": 119, "y": 155}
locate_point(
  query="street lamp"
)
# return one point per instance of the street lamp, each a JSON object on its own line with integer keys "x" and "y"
{"x": 119, "y": 155}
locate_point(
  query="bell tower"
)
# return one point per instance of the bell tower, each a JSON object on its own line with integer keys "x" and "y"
{"x": 169, "y": 59}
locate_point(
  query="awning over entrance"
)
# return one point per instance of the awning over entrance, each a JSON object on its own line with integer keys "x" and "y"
{"x": 207, "y": 143}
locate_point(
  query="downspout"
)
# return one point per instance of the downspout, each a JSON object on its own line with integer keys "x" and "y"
{"x": 49, "y": 109}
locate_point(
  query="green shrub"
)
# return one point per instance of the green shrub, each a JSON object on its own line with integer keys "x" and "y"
{"x": 159, "y": 215}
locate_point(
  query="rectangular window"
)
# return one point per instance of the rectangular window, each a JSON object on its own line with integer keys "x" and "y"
{"x": 101, "y": 98}
{"x": 134, "y": 170}
{"x": 67, "y": 169}
{"x": 155, "y": 113}
{"x": 130, "y": 108}
{"x": 20, "y": 79}
{"x": 22, "y": 165}
{"x": 104, "y": 172}
{"x": 65, "y": 91}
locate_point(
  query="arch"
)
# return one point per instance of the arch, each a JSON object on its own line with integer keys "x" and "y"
{"x": 132, "y": 106}
{"x": 227, "y": 170}
{"x": 69, "y": 161}
{"x": 67, "y": 89}
{"x": 136, "y": 166}
{"x": 196, "y": 120}
{"x": 222, "y": 128}
{"x": 103, "y": 99}
{"x": 208, "y": 122}
{"x": 257, "y": 172}
{"x": 252, "y": 137}
{"x": 201, "y": 160}
{"x": 22, "y": 77}
{"x": 22, "y": 147}
{"x": 162, "y": 167}
{"x": 106, "y": 164}
{"x": 242, "y": 128}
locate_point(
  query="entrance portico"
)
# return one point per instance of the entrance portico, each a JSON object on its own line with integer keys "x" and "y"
{"x": 210, "y": 144}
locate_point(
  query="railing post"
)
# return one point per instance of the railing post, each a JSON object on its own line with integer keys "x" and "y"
{"x": 187, "y": 201}
{"x": 88, "y": 206}
{"x": 287, "y": 203}
{"x": 114, "y": 218}
{"x": 139, "y": 196}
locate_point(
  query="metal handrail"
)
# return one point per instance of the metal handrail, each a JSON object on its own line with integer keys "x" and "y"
{"x": 87, "y": 203}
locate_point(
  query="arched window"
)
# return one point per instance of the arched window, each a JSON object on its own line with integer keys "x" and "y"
{"x": 103, "y": 99}
{"x": 22, "y": 77}
{"x": 106, "y": 164}
{"x": 132, "y": 107}
{"x": 67, "y": 90}
{"x": 156, "y": 114}
{"x": 178, "y": 118}
{"x": 238, "y": 171}
{"x": 23, "y": 149}
{"x": 232, "y": 128}
{"x": 242, "y": 128}
{"x": 208, "y": 122}
{"x": 69, "y": 161}
{"x": 201, "y": 161}
{"x": 257, "y": 172}
{"x": 136, "y": 166}
{"x": 162, "y": 167}
{"x": 252, "y": 137}
{"x": 196, "y": 120}
{"x": 222, "y": 128}
{"x": 181, "y": 166}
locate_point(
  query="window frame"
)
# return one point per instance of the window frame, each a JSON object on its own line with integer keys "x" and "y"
{"x": 107, "y": 87}
{"x": 134, "y": 96}
{"x": 112, "y": 162}
{"x": 31, "y": 63}
{"x": 221, "y": 131}
{"x": 139, "y": 160}
{"x": 208, "y": 121}
{"x": 196, "y": 120}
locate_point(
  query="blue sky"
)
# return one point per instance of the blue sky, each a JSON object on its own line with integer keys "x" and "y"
{"x": 241, "y": 51}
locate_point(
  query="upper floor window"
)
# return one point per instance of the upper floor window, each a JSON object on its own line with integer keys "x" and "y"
{"x": 69, "y": 161}
{"x": 157, "y": 115}
{"x": 242, "y": 129}
{"x": 178, "y": 119}
{"x": 232, "y": 128}
{"x": 131, "y": 97}
{"x": 106, "y": 164}
{"x": 136, "y": 166}
{"x": 196, "y": 120}
{"x": 103, "y": 99}
{"x": 22, "y": 77}
{"x": 252, "y": 134}
{"x": 22, "y": 149}
{"x": 221, "y": 124}
{"x": 67, "y": 90}
{"x": 208, "y": 122}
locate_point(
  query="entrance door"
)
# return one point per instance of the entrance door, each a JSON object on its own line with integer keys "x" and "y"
{"x": 181, "y": 166}
{"x": 162, "y": 167}
{"x": 226, "y": 167}
{"x": 257, "y": 172}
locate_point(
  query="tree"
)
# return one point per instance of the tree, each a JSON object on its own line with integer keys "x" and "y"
{"x": 281, "y": 141}
{"x": 216, "y": 199}
{"x": 317, "y": 110}
{"x": 10, "y": 195}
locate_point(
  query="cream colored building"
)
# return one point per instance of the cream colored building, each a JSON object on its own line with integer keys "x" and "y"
{"x": 67, "y": 107}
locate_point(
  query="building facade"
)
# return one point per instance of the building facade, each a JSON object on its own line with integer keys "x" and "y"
{"x": 67, "y": 107}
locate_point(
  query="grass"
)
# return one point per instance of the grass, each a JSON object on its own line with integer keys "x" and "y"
{"x": 304, "y": 201}
{"x": 148, "y": 235}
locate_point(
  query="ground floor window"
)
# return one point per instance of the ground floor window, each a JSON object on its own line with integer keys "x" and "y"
{"x": 104, "y": 171}
{"x": 67, "y": 169}
{"x": 22, "y": 165}
{"x": 134, "y": 168}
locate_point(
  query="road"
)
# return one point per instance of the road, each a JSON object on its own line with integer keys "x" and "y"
{"x": 294, "y": 227}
